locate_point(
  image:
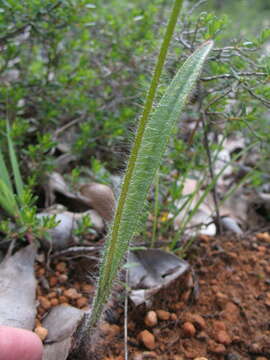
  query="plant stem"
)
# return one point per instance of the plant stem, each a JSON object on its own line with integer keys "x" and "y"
{"x": 110, "y": 251}
{"x": 146, "y": 112}
{"x": 212, "y": 174}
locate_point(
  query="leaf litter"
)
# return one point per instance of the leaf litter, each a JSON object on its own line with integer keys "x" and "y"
{"x": 153, "y": 275}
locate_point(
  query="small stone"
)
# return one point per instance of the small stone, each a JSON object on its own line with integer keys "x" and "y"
{"x": 222, "y": 297}
{"x": 137, "y": 356}
{"x": 202, "y": 336}
{"x": 173, "y": 317}
{"x": 178, "y": 357}
{"x": 147, "y": 339}
{"x": 87, "y": 288}
{"x": 255, "y": 348}
{"x": 178, "y": 306}
{"x": 131, "y": 325}
{"x": 219, "y": 325}
{"x": 72, "y": 294}
{"x": 54, "y": 302}
{"x": 231, "y": 312}
{"x": 149, "y": 355}
{"x": 263, "y": 236}
{"x": 77, "y": 285}
{"x": 200, "y": 358}
{"x": 40, "y": 272}
{"x": 223, "y": 337}
{"x": 232, "y": 356}
{"x": 63, "y": 299}
{"x": 144, "y": 355}
{"x": 151, "y": 319}
{"x": 44, "y": 302}
{"x": 216, "y": 348}
{"x": 61, "y": 267}
{"x": 52, "y": 295}
{"x": 188, "y": 329}
{"x": 62, "y": 278}
{"x": 81, "y": 302}
{"x": 198, "y": 321}
{"x": 41, "y": 332}
{"x": 163, "y": 315}
{"x": 53, "y": 280}
{"x": 261, "y": 358}
{"x": 110, "y": 329}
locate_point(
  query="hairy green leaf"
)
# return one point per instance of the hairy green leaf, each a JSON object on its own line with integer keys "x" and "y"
{"x": 149, "y": 146}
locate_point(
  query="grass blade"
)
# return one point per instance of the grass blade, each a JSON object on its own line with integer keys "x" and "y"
{"x": 4, "y": 176}
{"x": 8, "y": 201}
{"x": 14, "y": 165}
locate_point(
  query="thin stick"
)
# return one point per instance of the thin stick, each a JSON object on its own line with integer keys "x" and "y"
{"x": 211, "y": 171}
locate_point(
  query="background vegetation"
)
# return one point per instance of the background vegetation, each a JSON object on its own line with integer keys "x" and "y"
{"x": 73, "y": 78}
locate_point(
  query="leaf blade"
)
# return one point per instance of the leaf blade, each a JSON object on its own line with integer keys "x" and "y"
{"x": 154, "y": 140}
{"x": 14, "y": 164}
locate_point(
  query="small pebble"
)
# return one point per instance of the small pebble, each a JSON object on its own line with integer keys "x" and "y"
{"x": 81, "y": 302}
{"x": 151, "y": 319}
{"x": 72, "y": 294}
{"x": 144, "y": 355}
{"x": 163, "y": 315}
{"x": 110, "y": 329}
{"x": 202, "y": 336}
{"x": 87, "y": 288}
{"x": 44, "y": 302}
{"x": 149, "y": 355}
{"x": 41, "y": 332}
{"x": 54, "y": 302}
{"x": 63, "y": 299}
{"x": 261, "y": 358}
{"x": 219, "y": 325}
{"x": 53, "y": 280}
{"x": 62, "y": 278}
{"x": 255, "y": 348}
{"x": 263, "y": 236}
{"x": 216, "y": 348}
{"x": 147, "y": 339}
{"x": 137, "y": 356}
{"x": 40, "y": 272}
{"x": 198, "y": 321}
{"x": 231, "y": 356}
{"x": 173, "y": 317}
{"x": 223, "y": 337}
{"x": 61, "y": 267}
{"x": 178, "y": 357}
{"x": 52, "y": 295}
{"x": 188, "y": 329}
{"x": 77, "y": 285}
{"x": 200, "y": 358}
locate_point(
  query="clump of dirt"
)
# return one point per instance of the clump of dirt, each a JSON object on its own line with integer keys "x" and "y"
{"x": 224, "y": 313}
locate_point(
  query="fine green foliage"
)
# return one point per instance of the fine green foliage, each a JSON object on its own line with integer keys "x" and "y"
{"x": 18, "y": 204}
{"x": 149, "y": 146}
{"x": 8, "y": 199}
{"x": 15, "y": 166}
